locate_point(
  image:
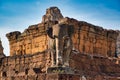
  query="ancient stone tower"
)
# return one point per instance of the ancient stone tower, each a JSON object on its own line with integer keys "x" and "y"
{"x": 52, "y": 14}
{"x": 61, "y": 48}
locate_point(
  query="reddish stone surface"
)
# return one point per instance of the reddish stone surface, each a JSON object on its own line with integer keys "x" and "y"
{"x": 91, "y": 39}
{"x": 35, "y": 66}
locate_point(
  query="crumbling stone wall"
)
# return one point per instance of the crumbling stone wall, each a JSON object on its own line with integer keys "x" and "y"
{"x": 12, "y": 66}
{"x": 33, "y": 67}
{"x": 32, "y": 40}
{"x": 95, "y": 65}
{"x": 91, "y": 39}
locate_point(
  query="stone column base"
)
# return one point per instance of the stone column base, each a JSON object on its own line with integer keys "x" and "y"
{"x": 60, "y": 70}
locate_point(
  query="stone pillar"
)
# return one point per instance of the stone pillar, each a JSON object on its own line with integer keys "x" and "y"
{"x": 58, "y": 53}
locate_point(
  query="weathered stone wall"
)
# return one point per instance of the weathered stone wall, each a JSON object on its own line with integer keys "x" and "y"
{"x": 90, "y": 39}
{"x": 32, "y": 40}
{"x": 33, "y": 67}
{"x": 24, "y": 65}
{"x": 95, "y": 65}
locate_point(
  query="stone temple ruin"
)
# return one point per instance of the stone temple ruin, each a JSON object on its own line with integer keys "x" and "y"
{"x": 61, "y": 48}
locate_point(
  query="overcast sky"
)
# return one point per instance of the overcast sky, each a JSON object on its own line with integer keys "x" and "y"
{"x": 17, "y": 15}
